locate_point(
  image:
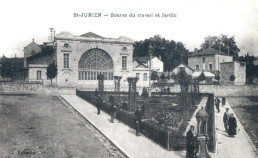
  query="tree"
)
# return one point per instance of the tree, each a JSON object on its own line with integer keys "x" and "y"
{"x": 223, "y": 43}
{"x": 172, "y": 53}
{"x": 251, "y": 69}
{"x": 51, "y": 71}
{"x": 154, "y": 75}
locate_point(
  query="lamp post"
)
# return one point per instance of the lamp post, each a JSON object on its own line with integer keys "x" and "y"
{"x": 150, "y": 51}
{"x": 202, "y": 138}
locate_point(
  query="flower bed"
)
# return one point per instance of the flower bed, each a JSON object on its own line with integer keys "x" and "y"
{"x": 166, "y": 128}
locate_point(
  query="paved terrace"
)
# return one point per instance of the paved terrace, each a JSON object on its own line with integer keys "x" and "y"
{"x": 120, "y": 134}
{"x": 141, "y": 147}
{"x": 228, "y": 147}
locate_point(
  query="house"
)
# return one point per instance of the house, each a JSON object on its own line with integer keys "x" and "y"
{"x": 208, "y": 60}
{"x": 182, "y": 67}
{"x": 142, "y": 66}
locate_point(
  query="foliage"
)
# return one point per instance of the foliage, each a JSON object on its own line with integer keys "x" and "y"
{"x": 251, "y": 69}
{"x": 10, "y": 66}
{"x": 46, "y": 51}
{"x": 51, "y": 71}
{"x": 223, "y": 42}
{"x": 154, "y": 75}
{"x": 183, "y": 78}
{"x": 144, "y": 92}
{"x": 163, "y": 76}
{"x": 232, "y": 78}
{"x": 172, "y": 53}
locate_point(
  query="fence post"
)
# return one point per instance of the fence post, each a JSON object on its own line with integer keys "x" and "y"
{"x": 168, "y": 133}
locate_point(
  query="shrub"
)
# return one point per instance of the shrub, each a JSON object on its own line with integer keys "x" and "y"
{"x": 232, "y": 78}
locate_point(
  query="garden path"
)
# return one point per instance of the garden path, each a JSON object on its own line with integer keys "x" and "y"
{"x": 120, "y": 134}
{"x": 238, "y": 147}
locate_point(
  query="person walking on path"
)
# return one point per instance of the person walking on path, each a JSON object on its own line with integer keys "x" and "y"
{"x": 225, "y": 119}
{"x": 232, "y": 125}
{"x": 99, "y": 104}
{"x": 138, "y": 119}
{"x": 190, "y": 143}
{"x": 113, "y": 111}
{"x": 217, "y": 103}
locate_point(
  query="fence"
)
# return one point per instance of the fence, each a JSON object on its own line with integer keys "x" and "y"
{"x": 168, "y": 139}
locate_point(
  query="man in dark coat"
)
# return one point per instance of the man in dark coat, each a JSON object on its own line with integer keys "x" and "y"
{"x": 138, "y": 119}
{"x": 190, "y": 143}
{"x": 232, "y": 125}
{"x": 217, "y": 102}
{"x": 225, "y": 119}
{"x": 113, "y": 111}
{"x": 99, "y": 104}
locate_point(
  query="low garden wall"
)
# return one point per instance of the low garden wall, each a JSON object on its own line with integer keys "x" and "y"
{"x": 168, "y": 139}
{"x": 12, "y": 87}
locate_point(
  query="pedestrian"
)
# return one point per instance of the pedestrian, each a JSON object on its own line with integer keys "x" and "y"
{"x": 225, "y": 119}
{"x": 190, "y": 143}
{"x": 99, "y": 104}
{"x": 113, "y": 111}
{"x": 217, "y": 103}
{"x": 232, "y": 125}
{"x": 223, "y": 101}
{"x": 138, "y": 119}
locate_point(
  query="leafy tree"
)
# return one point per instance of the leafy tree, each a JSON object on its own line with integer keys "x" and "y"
{"x": 223, "y": 42}
{"x": 154, "y": 75}
{"x": 217, "y": 75}
{"x": 163, "y": 76}
{"x": 251, "y": 69}
{"x": 172, "y": 53}
{"x": 51, "y": 71}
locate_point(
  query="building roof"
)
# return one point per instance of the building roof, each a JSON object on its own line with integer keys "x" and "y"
{"x": 184, "y": 65}
{"x": 256, "y": 62}
{"x": 144, "y": 59}
{"x": 91, "y": 35}
{"x": 208, "y": 51}
{"x": 207, "y": 74}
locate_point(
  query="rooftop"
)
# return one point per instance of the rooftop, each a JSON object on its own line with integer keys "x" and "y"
{"x": 208, "y": 51}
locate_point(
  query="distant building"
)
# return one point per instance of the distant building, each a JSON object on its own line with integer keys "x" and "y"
{"x": 142, "y": 68}
{"x": 208, "y": 60}
{"x": 81, "y": 58}
{"x": 233, "y": 73}
{"x": 183, "y": 67}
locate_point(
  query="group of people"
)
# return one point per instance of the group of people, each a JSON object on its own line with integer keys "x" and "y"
{"x": 229, "y": 120}
{"x": 113, "y": 110}
{"x": 230, "y": 123}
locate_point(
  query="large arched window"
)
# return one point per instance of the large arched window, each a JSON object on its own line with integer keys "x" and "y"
{"x": 93, "y": 62}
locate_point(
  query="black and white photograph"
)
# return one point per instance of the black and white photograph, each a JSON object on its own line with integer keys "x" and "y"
{"x": 129, "y": 79}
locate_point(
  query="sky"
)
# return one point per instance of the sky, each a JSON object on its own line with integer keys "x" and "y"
{"x": 22, "y": 21}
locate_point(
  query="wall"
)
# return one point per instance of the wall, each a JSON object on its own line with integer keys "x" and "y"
{"x": 10, "y": 87}
{"x": 221, "y": 59}
{"x": 32, "y": 74}
{"x": 224, "y": 90}
{"x": 233, "y": 68}
{"x": 156, "y": 64}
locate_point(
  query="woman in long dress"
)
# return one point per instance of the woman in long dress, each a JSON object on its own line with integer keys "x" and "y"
{"x": 232, "y": 125}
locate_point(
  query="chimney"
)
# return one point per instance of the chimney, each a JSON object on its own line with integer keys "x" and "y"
{"x": 159, "y": 57}
{"x": 32, "y": 39}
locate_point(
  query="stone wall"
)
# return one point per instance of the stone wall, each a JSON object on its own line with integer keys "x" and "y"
{"x": 233, "y": 68}
{"x": 10, "y": 87}
{"x": 224, "y": 90}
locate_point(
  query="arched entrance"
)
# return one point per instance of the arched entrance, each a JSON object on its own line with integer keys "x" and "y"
{"x": 93, "y": 62}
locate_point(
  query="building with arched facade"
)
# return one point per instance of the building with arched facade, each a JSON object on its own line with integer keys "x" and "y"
{"x": 80, "y": 59}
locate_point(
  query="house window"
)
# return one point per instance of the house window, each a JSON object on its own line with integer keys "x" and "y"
{"x": 38, "y": 75}
{"x": 210, "y": 67}
{"x": 66, "y": 60}
{"x": 138, "y": 75}
{"x": 182, "y": 68}
{"x": 124, "y": 62}
{"x": 145, "y": 77}
{"x": 197, "y": 67}
{"x": 203, "y": 59}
